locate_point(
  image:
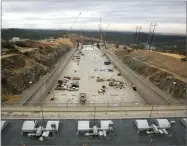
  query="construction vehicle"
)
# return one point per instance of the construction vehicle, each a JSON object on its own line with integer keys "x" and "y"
{"x": 107, "y": 62}
{"x": 82, "y": 98}
{"x": 75, "y": 78}
{"x": 100, "y": 79}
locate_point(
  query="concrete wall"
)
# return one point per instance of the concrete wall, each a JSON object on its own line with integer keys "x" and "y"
{"x": 150, "y": 94}
{"x": 39, "y": 91}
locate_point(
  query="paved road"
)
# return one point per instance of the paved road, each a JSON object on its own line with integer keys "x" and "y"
{"x": 88, "y": 112}
{"x": 125, "y": 133}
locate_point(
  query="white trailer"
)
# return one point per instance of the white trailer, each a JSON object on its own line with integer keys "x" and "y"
{"x": 3, "y": 125}
{"x": 29, "y": 126}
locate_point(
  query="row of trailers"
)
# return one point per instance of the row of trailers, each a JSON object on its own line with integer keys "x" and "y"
{"x": 37, "y": 129}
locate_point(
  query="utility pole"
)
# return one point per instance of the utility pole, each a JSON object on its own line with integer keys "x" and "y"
{"x": 152, "y": 36}
{"x": 94, "y": 112}
{"x": 151, "y": 112}
{"x": 42, "y": 113}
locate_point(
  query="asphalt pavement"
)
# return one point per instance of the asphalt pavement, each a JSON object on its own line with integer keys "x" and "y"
{"x": 125, "y": 133}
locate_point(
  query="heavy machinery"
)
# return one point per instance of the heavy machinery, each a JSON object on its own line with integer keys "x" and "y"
{"x": 100, "y": 79}
{"x": 107, "y": 62}
{"x": 82, "y": 98}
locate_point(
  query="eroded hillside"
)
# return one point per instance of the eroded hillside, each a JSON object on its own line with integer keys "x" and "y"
{"x": 165, "y": 71}
{"x": 23, "y": 65}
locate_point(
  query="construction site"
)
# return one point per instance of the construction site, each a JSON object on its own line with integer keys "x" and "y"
{"x": 91, "y": 89}
{"x": 77, "y": 90}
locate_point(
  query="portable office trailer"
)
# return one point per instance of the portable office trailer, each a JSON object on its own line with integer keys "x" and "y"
{"x": 142, "y": 125}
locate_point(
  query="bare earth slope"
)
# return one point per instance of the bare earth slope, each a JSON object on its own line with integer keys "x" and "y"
{"x": 24, "y": 67}
{"x": 166, "y": 72}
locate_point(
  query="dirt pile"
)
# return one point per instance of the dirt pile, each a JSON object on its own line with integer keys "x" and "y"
{"x": 21, "y": 70}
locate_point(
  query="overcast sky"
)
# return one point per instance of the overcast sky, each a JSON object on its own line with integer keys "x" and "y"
{"x": 170, "y": 16}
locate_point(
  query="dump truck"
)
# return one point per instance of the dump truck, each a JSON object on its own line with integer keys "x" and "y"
{"x": 82, "y": 98}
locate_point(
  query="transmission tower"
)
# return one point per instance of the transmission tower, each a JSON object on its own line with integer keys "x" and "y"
{"x": 138, "y": 36}
{"x": 101, "y": 29}
{"x": 149, "y": 33}
{"x": 151, "y": 39}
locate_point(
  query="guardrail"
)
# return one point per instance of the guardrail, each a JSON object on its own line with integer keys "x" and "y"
{"x": 79, "y": 105}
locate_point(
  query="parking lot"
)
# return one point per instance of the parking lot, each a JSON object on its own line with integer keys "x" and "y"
{"x": 91, "y": 66}
{"x": 124, "y": 133}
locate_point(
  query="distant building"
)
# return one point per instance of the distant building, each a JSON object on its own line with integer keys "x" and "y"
{"x": 15, "y": 39}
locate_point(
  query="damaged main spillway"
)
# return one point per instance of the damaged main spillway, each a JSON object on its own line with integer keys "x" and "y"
{"x": 91, "y": 66}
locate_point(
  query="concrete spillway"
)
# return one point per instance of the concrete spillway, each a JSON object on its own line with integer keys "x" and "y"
{"x": 90, "y": 67}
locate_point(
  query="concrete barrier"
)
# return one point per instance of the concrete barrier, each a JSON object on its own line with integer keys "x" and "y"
{"x": 150, "y": 94}
{"x": 40, "y": 90}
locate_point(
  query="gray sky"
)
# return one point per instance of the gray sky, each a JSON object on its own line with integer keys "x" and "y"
{"x": 170, "y": 16}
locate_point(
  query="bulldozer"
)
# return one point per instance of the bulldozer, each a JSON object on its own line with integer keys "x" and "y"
{"x": 82, "y": 98}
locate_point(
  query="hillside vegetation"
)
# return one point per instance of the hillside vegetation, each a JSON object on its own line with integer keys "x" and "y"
{"x": 171, "y": 42}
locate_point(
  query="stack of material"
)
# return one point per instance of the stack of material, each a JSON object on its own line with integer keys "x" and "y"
{"x": 82, "y": 98}
{"x": 75, "y": 78}
{"x": 116, "y": 84}
{"x": 110, "y": 70}
{"x": 102, "y": 90}
{"x": 100, "y": 79}
{"x": 61, "y": 85}
{"x": 74, "y": 86}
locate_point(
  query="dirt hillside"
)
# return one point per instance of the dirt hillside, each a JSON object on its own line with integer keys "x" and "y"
{"x": 164, "y": 71}
{"x": 24, "y": 65}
